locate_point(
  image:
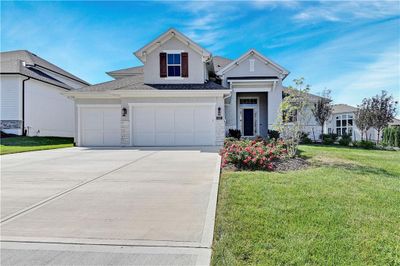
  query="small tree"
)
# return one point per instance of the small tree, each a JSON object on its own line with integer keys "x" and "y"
{"x": 293, "y": 115}
{"x": 383, "y": 111}
{"x": 363, "y": 117}
{"x": 322, "y": 109}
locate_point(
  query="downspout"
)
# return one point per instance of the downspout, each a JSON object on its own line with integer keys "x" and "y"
{"x": 23, "y": 106}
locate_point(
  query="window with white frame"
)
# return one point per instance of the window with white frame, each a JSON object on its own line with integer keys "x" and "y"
{"x": 174, "y": 65}
{"x": 344, "y": 124}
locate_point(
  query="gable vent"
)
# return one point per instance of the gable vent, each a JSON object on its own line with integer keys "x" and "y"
{"x": 251, "y": 65}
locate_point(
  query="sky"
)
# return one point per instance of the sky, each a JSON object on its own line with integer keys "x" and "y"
{"x": 351, "y": 48}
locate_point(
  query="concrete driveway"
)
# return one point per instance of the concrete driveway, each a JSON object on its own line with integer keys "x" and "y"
{"x": 114, "y": 206}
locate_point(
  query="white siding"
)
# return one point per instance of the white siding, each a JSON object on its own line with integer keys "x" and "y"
{"x": 11, "y": 89}
{"x": 47, "y": 111}
{"x": 260, "y": 69}
{"x": 152, "y": 64}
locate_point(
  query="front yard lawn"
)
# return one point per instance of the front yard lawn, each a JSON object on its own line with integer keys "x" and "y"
{"x": 343, "y": 210}
{"x": 23, "y": 144}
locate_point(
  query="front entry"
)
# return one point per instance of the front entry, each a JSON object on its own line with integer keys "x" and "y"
{"x": 248, "y": 122}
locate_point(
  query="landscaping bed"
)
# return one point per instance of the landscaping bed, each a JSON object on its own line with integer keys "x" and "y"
{"x": 343, "y": 210}
{"x": 24, "y": 144}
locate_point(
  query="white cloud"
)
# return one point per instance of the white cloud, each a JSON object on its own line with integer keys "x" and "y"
{"x": 381, "y": 74}
{"x": 347, "y": 11}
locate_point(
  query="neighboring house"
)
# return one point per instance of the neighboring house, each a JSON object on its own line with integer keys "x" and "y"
{"x": 32, "y": 102}
{"x": 180, "y": 96}
{"x": 342, "y": 122}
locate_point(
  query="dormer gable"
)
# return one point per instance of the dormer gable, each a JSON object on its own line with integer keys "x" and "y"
{"x": 253, "y": 63}
{"x": 174, "y": 58}
{"x": 169, "y": 34}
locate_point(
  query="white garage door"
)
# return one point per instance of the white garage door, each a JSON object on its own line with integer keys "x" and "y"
{"x": 173, "y": 125}
{"x": 100, "y": 126}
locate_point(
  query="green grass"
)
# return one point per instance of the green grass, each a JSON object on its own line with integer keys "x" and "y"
{"x": 23, "y": 144}
{"x": 343, "y": 210}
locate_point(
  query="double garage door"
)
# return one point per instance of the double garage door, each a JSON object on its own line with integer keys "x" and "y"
{"x": 151, "y": 125}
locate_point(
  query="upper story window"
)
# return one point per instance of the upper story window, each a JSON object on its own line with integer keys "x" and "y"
{"x": 344, "y": 124}
{"x": 174, "y": 65}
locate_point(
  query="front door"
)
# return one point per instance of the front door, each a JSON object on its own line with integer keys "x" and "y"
{"x": 248, "y": 122}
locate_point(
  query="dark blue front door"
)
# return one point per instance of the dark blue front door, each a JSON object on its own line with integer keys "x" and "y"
{"x": 248, "y": 122}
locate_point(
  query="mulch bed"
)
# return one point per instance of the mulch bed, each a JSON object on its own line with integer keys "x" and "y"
{"x": 291, "y": 164}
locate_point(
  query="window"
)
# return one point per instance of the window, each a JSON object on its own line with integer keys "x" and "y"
{"x": 248, "y": 101}
{"x": 174, "y": 65}
{"x": 344, "y": 124}
{"x": 289, "y": 117}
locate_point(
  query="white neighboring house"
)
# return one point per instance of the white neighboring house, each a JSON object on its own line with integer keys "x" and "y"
{"x": 32, "y": 102}
{"x": 181, "y": 96}
{"x": 342, "y": 122}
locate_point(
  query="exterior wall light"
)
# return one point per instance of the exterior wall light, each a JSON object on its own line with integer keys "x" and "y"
{"x": 219, "y": 111}
{"x": 124, "y": 112}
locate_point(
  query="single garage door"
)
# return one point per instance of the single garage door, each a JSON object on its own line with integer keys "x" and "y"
{"x": 173, "y": 125}
{"x": 100, "y": 126}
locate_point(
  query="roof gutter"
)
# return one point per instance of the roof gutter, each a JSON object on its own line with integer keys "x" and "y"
{"x": 17, "y": 73}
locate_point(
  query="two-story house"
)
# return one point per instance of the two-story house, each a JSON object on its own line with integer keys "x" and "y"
{"x": 181, "y": 96}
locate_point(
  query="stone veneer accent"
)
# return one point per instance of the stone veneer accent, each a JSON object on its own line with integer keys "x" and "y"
{"x": 220, "y": 132}
{"x": 11, "y": 124}
{"x": 125, "y": 133}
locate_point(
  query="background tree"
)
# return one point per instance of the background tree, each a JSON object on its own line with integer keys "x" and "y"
{"x": 383, "y": 110}
{"x": 293, "y": 115}
{"x": 322, "y": 109}
{"x": 363, "y": 117}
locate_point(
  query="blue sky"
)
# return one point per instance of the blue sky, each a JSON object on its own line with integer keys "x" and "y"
{"x": 351, "y": 48}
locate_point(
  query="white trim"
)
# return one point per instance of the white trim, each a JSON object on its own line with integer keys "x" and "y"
{"x": 98, "y": 105}
{"x": 255, "y": 107}
{"x": 173, "y": 51}
{"x": 174, "y": 77}
{"x": 117, "y": 94}
{"x": 251, "y": 80}
{"x": 175, "y": 104}
{"x": 252, "y": 90}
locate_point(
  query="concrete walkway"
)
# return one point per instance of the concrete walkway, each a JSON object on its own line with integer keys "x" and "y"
{"x": 109, "y": 206}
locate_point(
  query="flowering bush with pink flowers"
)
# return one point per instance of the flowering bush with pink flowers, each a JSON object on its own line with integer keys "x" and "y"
{"x": 253, "y": 154}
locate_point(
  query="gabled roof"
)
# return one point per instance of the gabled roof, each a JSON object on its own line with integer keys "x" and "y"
{"x": 37, "y": 62}
{"x": 311, "y": 97}
{"x": 131, "y": 71}
{"x": 220, "y": 62}
{"x": 148, "y": 48}
{"x": 281, "y": 69}
{"x": 343, "y": 108}
{"x": 17, "y": 67}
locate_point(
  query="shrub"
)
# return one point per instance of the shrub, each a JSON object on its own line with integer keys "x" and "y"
{"x": 328, "y": 139}
{"x": 365, "y": 144}
{"x": 391, "y": 136}
{"x": 345, "y": 140}
{"x": 252, "y": 154}
{"x": 304, "y": 139}
{"x": 273, "y": 134}
{"x": 234, "y": 133}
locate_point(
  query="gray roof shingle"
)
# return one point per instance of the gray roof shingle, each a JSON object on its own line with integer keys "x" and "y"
{"x": 11, "y": 60}
{"x": 343, "y": 108}
{"x": 137, "y": 83}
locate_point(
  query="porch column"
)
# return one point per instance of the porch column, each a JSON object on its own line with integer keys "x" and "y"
{"x": 234, "y": 108}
